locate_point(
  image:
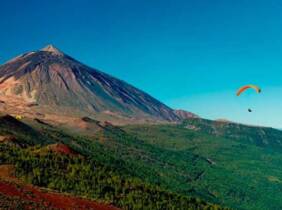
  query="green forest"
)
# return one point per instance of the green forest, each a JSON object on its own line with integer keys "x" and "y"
{"x": 203, "y": 164}
{"x": 87, "y": 178}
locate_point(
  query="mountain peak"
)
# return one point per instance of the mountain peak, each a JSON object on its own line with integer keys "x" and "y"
{"x": 51, "y": 48}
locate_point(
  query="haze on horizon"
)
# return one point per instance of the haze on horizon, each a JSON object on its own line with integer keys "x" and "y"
{"x": 190, "y": 55}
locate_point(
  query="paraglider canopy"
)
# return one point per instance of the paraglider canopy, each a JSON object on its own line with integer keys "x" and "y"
{"x": 242, "y": 89}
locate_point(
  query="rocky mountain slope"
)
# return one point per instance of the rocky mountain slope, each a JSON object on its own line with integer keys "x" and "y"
{"x": 182, "y": 114}
{"x": 48, "y": 81}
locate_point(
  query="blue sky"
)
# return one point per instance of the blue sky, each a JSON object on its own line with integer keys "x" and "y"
{"x": 189, "y": 54}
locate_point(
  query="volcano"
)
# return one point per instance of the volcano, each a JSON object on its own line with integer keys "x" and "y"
{"x": 50, "y": 81}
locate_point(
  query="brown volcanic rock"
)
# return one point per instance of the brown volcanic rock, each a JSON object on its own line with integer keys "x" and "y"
{"x": 182, "y": 114}
{"x": 56, "y": 82}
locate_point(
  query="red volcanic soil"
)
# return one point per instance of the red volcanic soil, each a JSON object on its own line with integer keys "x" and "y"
{"x": 61, "y": 149}
{"x": 48, "y": 200}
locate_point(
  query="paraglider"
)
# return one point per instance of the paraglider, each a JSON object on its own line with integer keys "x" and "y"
{"x": 244, "y": 88}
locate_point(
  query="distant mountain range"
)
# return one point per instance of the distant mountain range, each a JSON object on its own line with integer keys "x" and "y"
{"x": 256, "y": 135}
{"x": 48, "y": 81}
